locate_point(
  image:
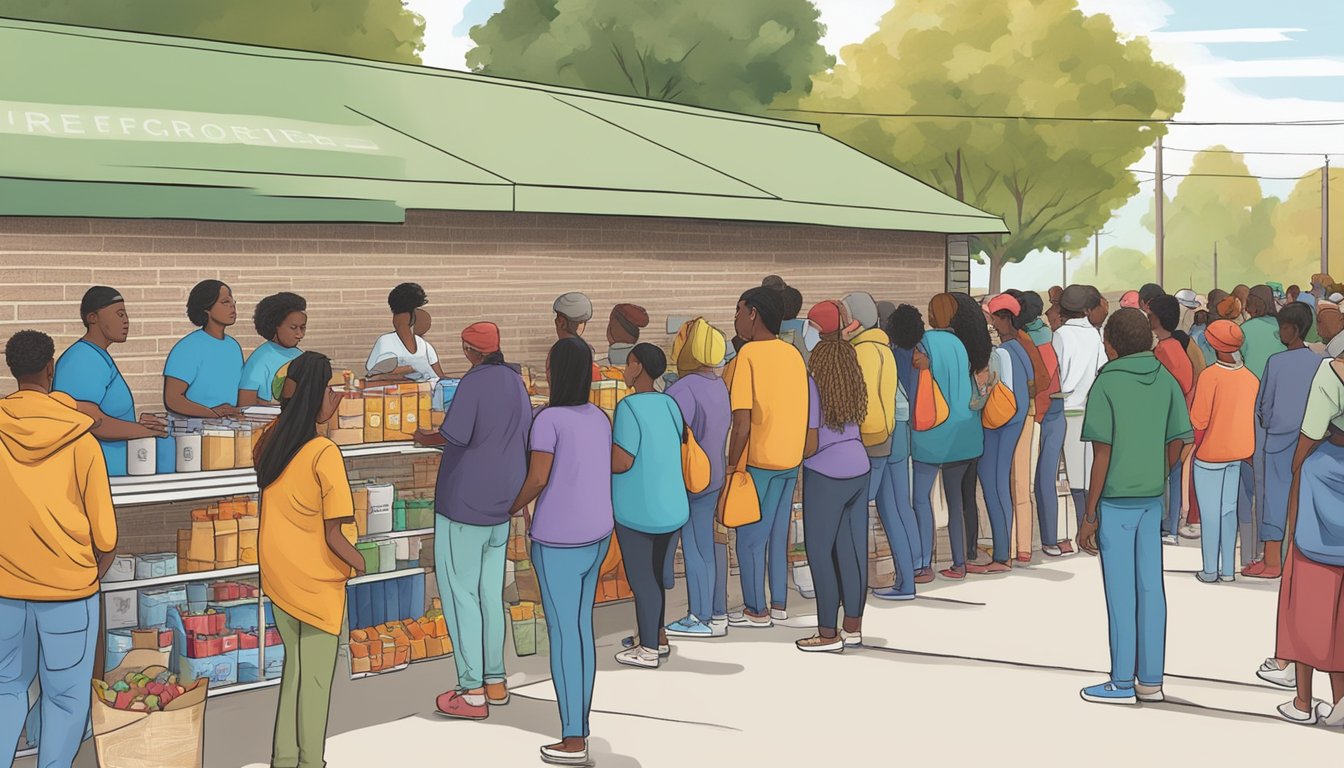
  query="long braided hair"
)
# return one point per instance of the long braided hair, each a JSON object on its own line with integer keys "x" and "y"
{"x": 835, "y": 368}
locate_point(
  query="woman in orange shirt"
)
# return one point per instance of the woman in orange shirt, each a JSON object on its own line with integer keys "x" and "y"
{"x": 306, "y": 555}
{"x": 1224, "y": 409}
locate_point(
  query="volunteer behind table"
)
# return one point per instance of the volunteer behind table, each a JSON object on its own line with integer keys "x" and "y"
{"x": 416, "y": 358}
{"x": 282, "y": 320}
{"x": 623, "y": 329}
{"x": 87, "y": 373}
{"x": 573, "y": 310}
{"x": 306, "y": 554}
{"x": 201, "y": 375}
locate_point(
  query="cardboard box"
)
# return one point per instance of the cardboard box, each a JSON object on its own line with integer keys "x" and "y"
{"x": 529, "y": 589}
{"x": 350, "y": 422}
{"x": 347, "y": 436}
{"x": 247, "y": 540}
{"x": 202, "y": 546}
{"x": 351, "y": 407}
{"x": 374, "y": 424}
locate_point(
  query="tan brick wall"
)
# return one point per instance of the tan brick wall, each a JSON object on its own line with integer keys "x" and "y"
{"x": 503, "y": 267}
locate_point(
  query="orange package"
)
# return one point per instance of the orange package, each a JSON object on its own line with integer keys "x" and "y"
{"x": 416, "y": 631}
{"x": 359, "y": 636}
{"x": 200, "y": 516}
{"x": 359, "y": 650}
{"x": 440, "y": 626}
{"x": 402, "y": 655}
{"x": 447, "y": 644}
{"x": 419, "y": 649}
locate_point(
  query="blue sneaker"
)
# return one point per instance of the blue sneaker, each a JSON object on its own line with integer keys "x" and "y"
{"x": 893, "y": 593}
{"x": 1109, "y": 693}
{"x": 689, "y": 627}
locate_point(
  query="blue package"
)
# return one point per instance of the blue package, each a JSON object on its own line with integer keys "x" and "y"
{"x": 165, "y": 455}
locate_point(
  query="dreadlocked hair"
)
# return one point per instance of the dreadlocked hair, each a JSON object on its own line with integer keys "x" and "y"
{"x": 844, "y": 397}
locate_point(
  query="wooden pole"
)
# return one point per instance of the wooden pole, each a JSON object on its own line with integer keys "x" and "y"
{"x": 1158, "y": 211}
{"x": 1325, "y": 217}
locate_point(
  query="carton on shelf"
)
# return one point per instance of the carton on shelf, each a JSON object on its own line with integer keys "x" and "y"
{"x": 410, "y": 409}
{"x": 350, "y": 422}
{"x": 374, "y": 425}
{"x": 347, "y": 436}
{"x": 226, "y": 543}
{"x": 392, "y": 417}
{"x": 247, "y": 540}
{"x": 350, "y": 407}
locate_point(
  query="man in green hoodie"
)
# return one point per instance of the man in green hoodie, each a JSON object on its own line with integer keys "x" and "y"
{"x": 1137, "y": 422}
{"x": 56, "y": 535}
{"x": 878, "y": 364}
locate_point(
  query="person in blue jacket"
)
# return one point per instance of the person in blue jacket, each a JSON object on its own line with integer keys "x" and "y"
{"x": 282, "y": 320}
{"x": 202, "y": 373}
{"x": 87, "y": 373}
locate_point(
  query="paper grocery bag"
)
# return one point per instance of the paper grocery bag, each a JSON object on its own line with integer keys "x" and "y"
{"x": 226, "y": 541}
{"x": 172, "y": 738}
{"x": 202, "y": 546}
{"x": 247, "y": 539}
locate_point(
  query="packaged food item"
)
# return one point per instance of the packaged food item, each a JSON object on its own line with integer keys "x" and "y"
{"x": 188, "y": 451}
{"x": 381, "y": 497}
{"x": 217, "y": 449}
{"x": 361, "y": 497}
{"x": 141, "y": 456}
{"x": 165, "y": 455}
{"x": 392, "y": 417}
{"x": 242, "y": 447}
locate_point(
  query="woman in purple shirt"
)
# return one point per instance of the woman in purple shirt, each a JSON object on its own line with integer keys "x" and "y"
{"x": 703, "y": 400}
{"x": 835, "y": 485}
{"x": 569, "y": 474}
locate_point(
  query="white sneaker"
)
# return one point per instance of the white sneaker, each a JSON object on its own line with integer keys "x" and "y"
{"x": 1336, "y": 717}
{"x": 1270, "y": 673}
{"x": 779, "y": 614}
{"x": 1190, "y": 531}
{"x": 556, "y": 757}
{"x": 718, "y": 626}
{"x": 852, "y": 639}
{"x": 1319, "y": 710}
{"x": 1171, "y": 540}
{"x": 745, "y": 620}
{"x": 639, "y": 656}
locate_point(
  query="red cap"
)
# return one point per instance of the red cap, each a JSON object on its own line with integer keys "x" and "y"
{"x": 827, "y": 316}
{"x": 482, "y": 337}
{"x": 1003, "y": 302}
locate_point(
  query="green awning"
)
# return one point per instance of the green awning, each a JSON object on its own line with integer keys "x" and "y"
{"x": 104, "y": 123}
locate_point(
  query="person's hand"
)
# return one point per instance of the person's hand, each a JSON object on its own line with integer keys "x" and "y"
{"x": 1087, "y": 534}
{"x": 154, "y": 425}
{"x": 225, "y": 411}
{"x": 921, "y": 361}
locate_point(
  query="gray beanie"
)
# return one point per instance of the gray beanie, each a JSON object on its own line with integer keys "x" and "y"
{"x": 862, "y": 308}
{"x": 574, "y": 306}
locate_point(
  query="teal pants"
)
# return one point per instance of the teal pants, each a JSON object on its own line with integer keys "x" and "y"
{"x": 469, "y": 568}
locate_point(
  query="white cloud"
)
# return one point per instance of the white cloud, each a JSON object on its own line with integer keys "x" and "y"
{"x": 1249, "y": 35}
{"x": 443, "y": 49}
{"x": 1256, "y": 68}
{"x": 849, "y": 21}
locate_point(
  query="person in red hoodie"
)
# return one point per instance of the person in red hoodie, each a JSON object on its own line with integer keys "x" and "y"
{"x": 1164, "y": 313}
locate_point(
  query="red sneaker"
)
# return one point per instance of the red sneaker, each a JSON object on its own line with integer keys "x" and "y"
{"x": 955, "y": 574}
{"x": 453, "y": 704}
{"x": 990, "y": 568}
{"x": 924, "y": 576}
{"x": 1255, "y": 570}
{"x": 1066, "y": 547}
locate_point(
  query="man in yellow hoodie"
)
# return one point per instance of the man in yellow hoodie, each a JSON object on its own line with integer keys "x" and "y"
{"x": 885, "y": 484}
{"x": 57, "y": 532}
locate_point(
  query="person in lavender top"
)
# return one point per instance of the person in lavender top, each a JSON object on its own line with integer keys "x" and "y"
{"x": 569, "y": 476}
{"x": 835, "y": 485}
{"x": 698, "y": 349}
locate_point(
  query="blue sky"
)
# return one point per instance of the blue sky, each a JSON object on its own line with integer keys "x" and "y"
{"x": 1242, "y": 59}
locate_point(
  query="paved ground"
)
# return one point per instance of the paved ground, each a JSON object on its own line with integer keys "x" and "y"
{"x": 979, "y": 671}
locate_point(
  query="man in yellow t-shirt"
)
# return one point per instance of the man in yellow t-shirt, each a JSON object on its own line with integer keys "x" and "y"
{"x": 769, "y": 401}
{"x": 56, "y": 535}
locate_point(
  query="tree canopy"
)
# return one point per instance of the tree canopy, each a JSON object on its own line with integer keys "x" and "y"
{"x": 1054, "y": 182}
{"x": 1294, "y": 253}
{"x": 369, "y": 29}
{"x": 737, "y": 55}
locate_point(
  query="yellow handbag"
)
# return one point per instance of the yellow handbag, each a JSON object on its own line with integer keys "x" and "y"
{"x": 739, "y": 504}
{"x": 695, "y": 469}
{"x": 1000, "y": 406}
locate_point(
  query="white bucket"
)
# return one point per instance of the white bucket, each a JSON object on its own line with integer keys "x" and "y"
{"x": 189, "y": 452}
{"x": 140, "y": 456}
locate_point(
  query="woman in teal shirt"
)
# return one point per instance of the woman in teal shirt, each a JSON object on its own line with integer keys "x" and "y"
{"x": 202, "y": 372}
{"x": 282, "y": 320}
{"x": 648, "y": 494}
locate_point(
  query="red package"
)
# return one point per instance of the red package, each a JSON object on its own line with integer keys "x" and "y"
{"x": 247, "y": 640}
{"x": 218, "y": 623}
{"x": 165, "y": 638}
{"x": 214, "y": 645}
{"x": 272, "y": 636}
{"x": 228, "y": 643}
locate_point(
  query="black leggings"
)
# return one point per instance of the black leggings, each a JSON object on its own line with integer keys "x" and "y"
{"x": 970, "y": 509}
{"x": 644, "y": 556}
{"x": 835, "y": 534}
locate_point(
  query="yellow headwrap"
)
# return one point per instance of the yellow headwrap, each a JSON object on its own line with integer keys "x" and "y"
{"x": 698, "y": 344}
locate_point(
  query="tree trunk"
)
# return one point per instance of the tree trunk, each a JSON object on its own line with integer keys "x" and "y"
{"x": 995, "y": 258}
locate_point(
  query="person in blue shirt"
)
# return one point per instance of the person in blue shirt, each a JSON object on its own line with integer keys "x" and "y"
{"x": 202, "y": 373}
{"x": 648, "y": 495}
{"x": 87, "y": 373}
{"x": 282, "y": 320}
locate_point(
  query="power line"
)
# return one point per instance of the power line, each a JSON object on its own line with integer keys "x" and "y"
{"x": 1218, "y": 176}
{"x": 1239, "y": 152}
{"x": 1069, "y": 119}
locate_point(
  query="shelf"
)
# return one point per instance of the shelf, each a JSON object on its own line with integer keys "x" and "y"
{"x": 240, "y": 687}
{"x": 372, "y": 577}
{"x": 181, "y": 578}
{"x": 398, "y": 534}
{"x": 190, "y": 486}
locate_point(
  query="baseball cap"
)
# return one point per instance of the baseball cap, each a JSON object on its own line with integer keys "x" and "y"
{"x": 827, "y": 316}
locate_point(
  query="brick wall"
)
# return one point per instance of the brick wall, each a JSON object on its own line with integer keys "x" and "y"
{"x": 503, "y": 267}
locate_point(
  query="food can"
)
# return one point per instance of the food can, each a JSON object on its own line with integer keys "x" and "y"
{"x": 141, "y": 456}
{"x": 188, "y": 452}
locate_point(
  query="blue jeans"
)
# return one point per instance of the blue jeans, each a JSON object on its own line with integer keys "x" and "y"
{"x": 469, "y": 568}
{"x": 883, "y": 487}
{"x": 1217, "y": 486}
{"x": 1171, "y": 522}
{"x": 954, "y": 476}
{"x": 1278, "y": 481}
{"x": 1130, "y": 538}
{"x": 996, "y": 467}
{"x": 1047, "y": 473}
{"x": 568, "y": 579}
{"x": 697, "y": 547}
{"x": 54, "y": 642}
{"x": 763, "y": 546}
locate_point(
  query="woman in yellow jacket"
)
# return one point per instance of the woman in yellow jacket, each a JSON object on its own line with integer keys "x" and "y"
{"x": 306, "y": 554}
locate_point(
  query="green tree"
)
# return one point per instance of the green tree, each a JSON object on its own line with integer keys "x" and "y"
{"x": 1119, "y": 269}
{"x": 736, "y": 55}
{"x": 1216, "y": 204}
{"x": 369, "y": 29}
{"x": 1052, "y": 181}
{"x": 1294, "y": 255}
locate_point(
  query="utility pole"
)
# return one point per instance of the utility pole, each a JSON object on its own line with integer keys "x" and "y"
{"x": 1096, "y": 253}
{"x": 1325, "y": 217}
{"x": 1215, "y": 264}
{"x": 1158, "y": 211}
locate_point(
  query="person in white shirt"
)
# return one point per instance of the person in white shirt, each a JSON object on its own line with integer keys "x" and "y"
{"x": 1081, "y": 354}
{"x": 415, "y": 357}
